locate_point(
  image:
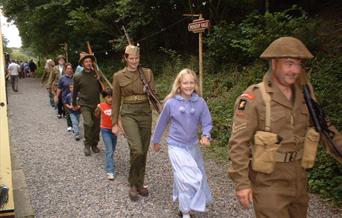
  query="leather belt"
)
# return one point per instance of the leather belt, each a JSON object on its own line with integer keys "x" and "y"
{"x": 290, "y": 156}
{"x": 134, "y": 99}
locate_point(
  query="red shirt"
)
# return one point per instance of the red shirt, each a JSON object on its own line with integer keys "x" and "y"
{"x": 106, "y": 115}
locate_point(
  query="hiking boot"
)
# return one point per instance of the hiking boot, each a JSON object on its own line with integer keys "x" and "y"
{"x": 143, "y": 191}
{"x": 133, "y": 193}
{"x": 95, "y": 149}
{"x": 87, "y": 151}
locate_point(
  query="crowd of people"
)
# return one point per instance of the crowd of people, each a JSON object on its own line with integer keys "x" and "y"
{"x": 272, "y": 141}
{"x": 16, "y": 70}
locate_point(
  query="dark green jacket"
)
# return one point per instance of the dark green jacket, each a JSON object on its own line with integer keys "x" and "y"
{"x": 88, "y": 89}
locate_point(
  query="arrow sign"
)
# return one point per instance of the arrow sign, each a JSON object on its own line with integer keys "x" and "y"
{"x": 198, "y": 25}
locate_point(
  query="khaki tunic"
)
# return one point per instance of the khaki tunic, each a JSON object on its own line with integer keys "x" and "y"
{"x": 283, "y": 193}
{"x": 54, "y": 77}
{"x": 127, "y": 83}
{"x": 290, "y": 120}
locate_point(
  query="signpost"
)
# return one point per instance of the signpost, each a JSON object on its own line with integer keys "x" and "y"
{"x": 199, "y": 26}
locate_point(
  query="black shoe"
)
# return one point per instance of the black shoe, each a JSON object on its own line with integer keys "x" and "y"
{"x": 95, "y": 149}
{"x": 77, "y": 137}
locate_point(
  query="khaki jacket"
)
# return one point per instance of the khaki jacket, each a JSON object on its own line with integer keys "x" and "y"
{"x": 127, "y": 83}
{"x": 54, "y": 77}
{"x": 290, "y": 120}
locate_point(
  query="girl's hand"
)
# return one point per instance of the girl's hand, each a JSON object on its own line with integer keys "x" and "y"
{"x": 156, "y": 147}
{"x": 205, "y": 141}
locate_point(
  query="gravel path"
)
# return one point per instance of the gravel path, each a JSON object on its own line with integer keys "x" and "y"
{"x": 65, "y": 183}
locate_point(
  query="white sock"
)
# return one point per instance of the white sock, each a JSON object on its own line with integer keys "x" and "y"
{"x": 186, "y": 215}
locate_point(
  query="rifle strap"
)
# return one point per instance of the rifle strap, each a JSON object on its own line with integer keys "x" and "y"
{"x": 143, "y": 79}
{"x": 267, "y": 99}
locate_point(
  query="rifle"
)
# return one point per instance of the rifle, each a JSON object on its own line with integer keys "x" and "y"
{"x": 98, "y": 71}
{"x": 319, "y": 120}
{"x": 151, "y": 93}
{"x": 127, "y": 36}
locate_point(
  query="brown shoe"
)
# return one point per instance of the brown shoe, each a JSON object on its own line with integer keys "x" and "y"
{"x": 95, "y": 149}
{"x": 143, "y": 191}
{"x": 133, "y": 193}
{"x": 86, "y": 151}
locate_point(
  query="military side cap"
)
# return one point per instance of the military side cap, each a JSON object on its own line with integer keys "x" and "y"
{"x": 60, "y": 57}
{"x": 132, "y": 50}
{"x": 286, "y": 47}
{"x": 84, "y": 55}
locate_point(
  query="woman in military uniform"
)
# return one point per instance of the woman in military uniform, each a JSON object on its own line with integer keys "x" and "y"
{"x": 130, "y": 99}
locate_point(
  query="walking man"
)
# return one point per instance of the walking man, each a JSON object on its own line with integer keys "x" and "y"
{"x": 87, "y": 86}
{"x": 13, "y": 70}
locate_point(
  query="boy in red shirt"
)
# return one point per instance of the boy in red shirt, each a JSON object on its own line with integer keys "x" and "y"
{"x": 109, "y": 139}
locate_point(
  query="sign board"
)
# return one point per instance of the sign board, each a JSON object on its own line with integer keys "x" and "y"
{"x": 199, "y": 25}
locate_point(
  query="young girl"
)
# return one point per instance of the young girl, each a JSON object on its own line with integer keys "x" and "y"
{"x": 109, "y": 139}
{"x": 185, "y": 110}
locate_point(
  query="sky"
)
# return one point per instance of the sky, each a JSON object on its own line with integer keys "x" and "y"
{"x": 11, "y": 33}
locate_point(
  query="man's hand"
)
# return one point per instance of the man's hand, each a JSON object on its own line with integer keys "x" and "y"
{"x": 156, "y": 147}
{"x": 205, "y": 141}
{"x": 245, "y": 197}
{"x": 115, "y": 129}
{"x": 55, "y": 99}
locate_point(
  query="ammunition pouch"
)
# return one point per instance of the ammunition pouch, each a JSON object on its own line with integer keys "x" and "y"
{"x": 310, "y": 148}
{"x": 264, "y": 151}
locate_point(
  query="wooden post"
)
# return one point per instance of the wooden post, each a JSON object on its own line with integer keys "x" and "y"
{"x": 200, "y": 59}
{"x": 199, "y": 26}
{"x": 66, "y": 51}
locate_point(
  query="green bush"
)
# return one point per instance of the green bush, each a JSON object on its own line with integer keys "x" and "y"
{"x": 243, "y": 43}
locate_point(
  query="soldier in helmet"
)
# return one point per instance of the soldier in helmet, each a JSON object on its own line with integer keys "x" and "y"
{"x": 272, "y": 141}
{"x": 131, "y": 102}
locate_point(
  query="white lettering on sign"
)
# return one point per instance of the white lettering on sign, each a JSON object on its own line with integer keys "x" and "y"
{"x": 198, "y": 25}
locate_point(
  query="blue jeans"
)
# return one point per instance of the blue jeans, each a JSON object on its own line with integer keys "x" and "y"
{"x": 109, "y": 140}
{"x": 75, "y": 120}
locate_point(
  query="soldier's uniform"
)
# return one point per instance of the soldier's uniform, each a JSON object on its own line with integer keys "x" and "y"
{"x": 282, "y": 191}
{"x": 87, "y": 87}
{"x": 131, "y": 102}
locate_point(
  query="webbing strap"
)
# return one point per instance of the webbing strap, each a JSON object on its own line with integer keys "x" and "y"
{"x": 267, "y": 99}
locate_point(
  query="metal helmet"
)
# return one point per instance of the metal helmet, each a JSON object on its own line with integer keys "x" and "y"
{"x": 286, "y": 47}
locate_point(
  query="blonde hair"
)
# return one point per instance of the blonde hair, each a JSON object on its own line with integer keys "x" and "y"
{"x": 176, "y": 84}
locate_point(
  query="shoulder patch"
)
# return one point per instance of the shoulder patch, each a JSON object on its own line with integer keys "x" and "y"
{"x": 250, "y": 96}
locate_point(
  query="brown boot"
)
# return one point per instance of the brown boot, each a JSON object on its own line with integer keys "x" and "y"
{"x": 95, "y": 149}
{"x": 133, "y": 193}
{"x": 86, "y": 150}
{"x": 143, "y": 191}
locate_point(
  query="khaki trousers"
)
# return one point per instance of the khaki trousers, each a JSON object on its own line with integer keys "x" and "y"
{"x": 136, "y": 121}
{"x": 281, "y": 194}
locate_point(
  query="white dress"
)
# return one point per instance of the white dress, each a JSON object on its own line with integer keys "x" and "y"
{"x": 190, "y": 184}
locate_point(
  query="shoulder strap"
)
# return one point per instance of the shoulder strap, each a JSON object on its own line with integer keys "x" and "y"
{"x": 267, "y": 99}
